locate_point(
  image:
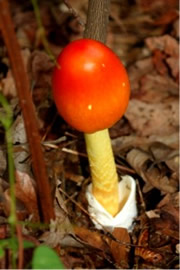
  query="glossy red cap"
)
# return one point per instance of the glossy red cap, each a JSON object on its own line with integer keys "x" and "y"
{"x": 90, "y": 87}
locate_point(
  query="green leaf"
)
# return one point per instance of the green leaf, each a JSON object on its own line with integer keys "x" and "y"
{"x": 1, "y": 252}
{"x": 7, "y": 243}
{"x": 28, "y": 244}
{"x": 46, "y": 258}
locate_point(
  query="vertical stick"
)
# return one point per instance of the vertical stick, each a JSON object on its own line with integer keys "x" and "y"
{"x": 27, "y": 107}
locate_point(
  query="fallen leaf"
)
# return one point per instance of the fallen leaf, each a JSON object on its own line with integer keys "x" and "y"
{"x": 120, "y": 251}
{"x": 170, "y": 204}
{"x": 158, "y": 61}
{"x": 159, "y": 118}
{"x": 159, "y": 179}
{"x": 145, "y": 252}
{"x": 8, "y": 85}
{"x": 157, "y": 176}
{"x": 165, "y": 225}
{"x": 25, "y": 192}
{"x": 174, "y": 66}
{"x": 3, "y": 163}
{"x": 166, "y": 44}
{"x": 92, "y": 238}
{"x": 167, "y": 17}
{"x": 125, "y": 143}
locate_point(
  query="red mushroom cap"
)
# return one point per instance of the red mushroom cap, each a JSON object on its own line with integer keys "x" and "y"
{"x": 90, "y": 87}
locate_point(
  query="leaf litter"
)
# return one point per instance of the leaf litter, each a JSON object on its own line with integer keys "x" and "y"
{"x": 145, "y": 36}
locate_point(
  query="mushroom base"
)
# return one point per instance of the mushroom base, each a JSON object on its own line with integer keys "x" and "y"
{"x": 127, "y": 201}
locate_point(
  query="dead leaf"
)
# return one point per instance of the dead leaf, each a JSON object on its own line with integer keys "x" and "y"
{"x": 165, "y": 225}
{"x": 145, "y": 252}
{"x": 25, "y": 192}
{"x": 162, "y": 152}
{"x": 173, "y": 63}
{"x": 120, "y": 252}
{"x": 3, "y": 162}
{"x": 170, "y": 204}
{"x": 159, "y": 118}
{"x": 125, "y": 143}
{"x": 138, "y": 160}
{"x": 21, "y": 211}
{"x": 156, "y": 176}
{"x": 166, "y": 44}
{"x": 61, "y": 232}
{"x": 176, "y": 29}
{"x": 92, "y": 238}
{"x": 156, "y": 88}
{"x": 8, "y": 85}
{"x": 158, "y": 61}
{"x": 157, "y": 4}
{"x": 167, "y": 17}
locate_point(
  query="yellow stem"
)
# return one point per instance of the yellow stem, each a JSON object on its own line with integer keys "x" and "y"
{"x": 103, "y": 170}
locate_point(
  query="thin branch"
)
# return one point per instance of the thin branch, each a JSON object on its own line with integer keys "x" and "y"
{"x": 74, "y": 13}
{"x": 28, "y": 111}
{"x": 97, "y": 20}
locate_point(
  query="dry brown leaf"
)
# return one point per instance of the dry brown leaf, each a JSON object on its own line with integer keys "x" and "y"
{"x": 120, "y": 252}
{"x": 125, "y": 143}
{"x": 21, "y": 148}
{"x": 167, "y": 17}
{"x": 157, "y": 4}
{"x": 138, "y": 160}
{"x": 25, "y": 192}
{"x": 156, "y": 176}
{"x": 61, "y": 232}
{"x": 145, "y": 252}
{"x": 21, "y": 210}
{"x": 136, "y": 71}
{"x": 158, "y": 61}
{"x": 159, "y": 179}
{"x": 3, "y": 162}
{"x": 176, "y": 31}
{"x": 166, "y": 44}
{"x": 8, "y": 85}
{"x": 155, "y": 88}
{"x": 162, "y": 152}
{"x": 170, "y": 204}
{"x": 167, "y": 224}
{"x": 173, "y": 63}
{"x": 41, "y": 64}
{"x": 92, "y": 238}
{"x": 159, "y": 118}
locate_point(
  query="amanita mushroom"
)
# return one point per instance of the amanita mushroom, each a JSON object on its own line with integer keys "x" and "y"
{"x": 91, "y": 91}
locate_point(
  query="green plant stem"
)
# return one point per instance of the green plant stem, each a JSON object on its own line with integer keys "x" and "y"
{"x": 6, "y": 120}
{"x": 41, "y": 30}
{"x": 12, "y": 218}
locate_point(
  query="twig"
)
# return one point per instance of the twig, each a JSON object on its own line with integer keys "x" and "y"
{"x": 20, "y": 244}
{"x": 41, "y": 31}
{"x": 73, "y": 152}
{"x": 74, "y": 13}
{"x": 25, "y": 100}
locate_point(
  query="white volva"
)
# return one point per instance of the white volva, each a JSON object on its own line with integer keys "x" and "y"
{"x": 127, "y": 202}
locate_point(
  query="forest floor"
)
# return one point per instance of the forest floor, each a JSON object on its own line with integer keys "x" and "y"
{"x": 145, "y": 35}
